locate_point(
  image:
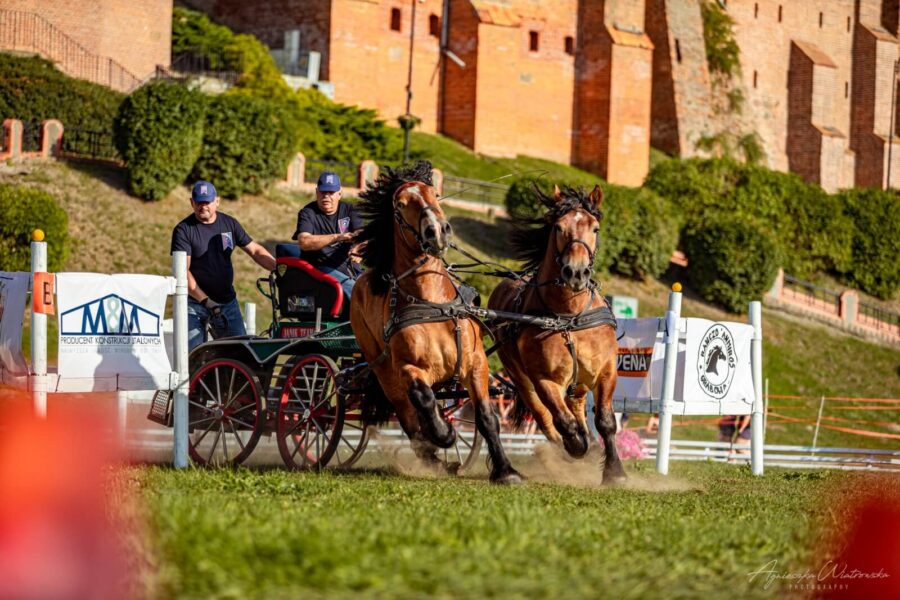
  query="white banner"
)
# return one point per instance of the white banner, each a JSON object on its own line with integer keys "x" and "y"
{"x": 111, "y": 325}
{"x": 717, "y": 363}
{"x": 637, "y": 338}
{"x": 13, "y": 293}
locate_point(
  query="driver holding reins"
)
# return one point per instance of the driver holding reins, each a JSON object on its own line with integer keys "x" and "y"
{"x": 325, "y": 232}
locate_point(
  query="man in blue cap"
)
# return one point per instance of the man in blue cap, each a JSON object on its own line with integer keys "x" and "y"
{"x": 325, "y": 232}
{"x": 209, "y": 237}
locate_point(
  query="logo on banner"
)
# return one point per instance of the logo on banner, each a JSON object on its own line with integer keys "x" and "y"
{"x": 344, "y": 224}
{"x": 110, "y": 315}
{"x": 716, "y": 361}
{"x": 634, "y": 362}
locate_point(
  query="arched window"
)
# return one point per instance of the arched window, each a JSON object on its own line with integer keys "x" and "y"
{"x": 434, "y": 25}
{"x": 395, "y": 19}
{"x": 533, "y": 41}
{"x": 570, "y": 44}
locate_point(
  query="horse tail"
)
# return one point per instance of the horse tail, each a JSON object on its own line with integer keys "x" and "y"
{"x": 520, "y": 411}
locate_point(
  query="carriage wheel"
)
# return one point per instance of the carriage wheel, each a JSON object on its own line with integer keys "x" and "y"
{"x": 226, "y": 413}
{"x": 354, "y": 434}
{"x": 460, "y": 412}
{"x": 310, "y": 413}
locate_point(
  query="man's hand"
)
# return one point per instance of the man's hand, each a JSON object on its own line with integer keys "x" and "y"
{"x": 355, "y": 256}
{"x": 346, "y": 237}
{"x": 217, "y": 321}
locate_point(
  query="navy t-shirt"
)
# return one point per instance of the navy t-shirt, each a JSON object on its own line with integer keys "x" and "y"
{"x": 312, "y": 220}
{"x": 210, "y": 247}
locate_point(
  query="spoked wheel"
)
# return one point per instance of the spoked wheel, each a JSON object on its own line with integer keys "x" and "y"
{"x": 225, "y": 413}
{"x": 460, "y": 412}
{"x": 310, "y": 413}
{"x": 354, "y": 435}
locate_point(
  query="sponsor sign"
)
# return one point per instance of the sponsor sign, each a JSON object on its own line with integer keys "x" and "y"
{"x": 111, "y": 325}
{"x": 13, "y": 293}
{"x": 637, "y": 338}
{"x": 42, "y": 293}
{"x": 625, "y": 307}
{"x": 717, "y": 357}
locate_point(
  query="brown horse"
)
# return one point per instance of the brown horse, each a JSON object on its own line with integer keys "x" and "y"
{"x": 559, "y": 251}
{"x": 411, "y": 326}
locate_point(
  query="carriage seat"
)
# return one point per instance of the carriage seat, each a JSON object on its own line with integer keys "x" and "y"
{"x": 302, "y": 288}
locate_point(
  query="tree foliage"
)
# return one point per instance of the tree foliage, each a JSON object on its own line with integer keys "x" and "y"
{"x": 22, "y": 210}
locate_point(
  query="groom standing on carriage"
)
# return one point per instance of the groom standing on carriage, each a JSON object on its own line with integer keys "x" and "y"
{"x": 325, "y": 231}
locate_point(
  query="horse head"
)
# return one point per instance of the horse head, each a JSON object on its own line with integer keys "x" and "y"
{"x": 420, "y": 218}
{"x": 576, "y": 234}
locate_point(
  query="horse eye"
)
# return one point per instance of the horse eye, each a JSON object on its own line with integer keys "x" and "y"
{"x": 558, "y": 229}
{"x": 596, "y": 230}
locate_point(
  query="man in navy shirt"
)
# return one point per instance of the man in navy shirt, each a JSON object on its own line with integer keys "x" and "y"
{"x": 325, "y": 232}
{"x": 209, "y": 237}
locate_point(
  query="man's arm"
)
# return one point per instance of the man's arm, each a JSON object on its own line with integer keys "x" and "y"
{"x": 310, "y": 242}
{"x": 260, "y": 255}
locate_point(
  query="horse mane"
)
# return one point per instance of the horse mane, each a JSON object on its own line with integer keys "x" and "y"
{"x": 376, "y": 205}
{"x": 530, "y": 235}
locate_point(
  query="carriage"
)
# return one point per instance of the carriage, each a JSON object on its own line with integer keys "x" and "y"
{"x": 297, "y": 381}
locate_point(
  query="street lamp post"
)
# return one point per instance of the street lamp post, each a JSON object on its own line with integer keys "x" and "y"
{"x": 407, "y": 121}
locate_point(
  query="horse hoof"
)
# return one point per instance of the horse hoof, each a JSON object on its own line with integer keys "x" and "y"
{"x": 614, "y": 479}
{"x": 510, "y": 478}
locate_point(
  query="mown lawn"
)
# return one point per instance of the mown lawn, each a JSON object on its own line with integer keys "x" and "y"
{"x": 376, "y": 534}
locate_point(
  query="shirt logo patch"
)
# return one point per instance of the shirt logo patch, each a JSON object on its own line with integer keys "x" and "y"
{"x": 344, "y": 224}
{"x": 227, "y": 241}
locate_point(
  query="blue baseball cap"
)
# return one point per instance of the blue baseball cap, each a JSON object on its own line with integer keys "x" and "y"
{"x": 203, "y": 191}
{"x": 329, "y": 182}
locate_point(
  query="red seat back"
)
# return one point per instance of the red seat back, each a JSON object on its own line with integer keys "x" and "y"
{"x": 302, "y": 289}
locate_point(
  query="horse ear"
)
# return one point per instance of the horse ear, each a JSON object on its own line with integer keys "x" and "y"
{"x": 596, "y": 197}
{"x": 557, "y": 195}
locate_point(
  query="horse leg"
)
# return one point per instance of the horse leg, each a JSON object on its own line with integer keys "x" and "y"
{"x": 605, "y": 420}
{"x": 502, "y": 471}
{"x": 574, "y": 436}
{"x": 433, "y": 425}
{"x": 526, "y": 393}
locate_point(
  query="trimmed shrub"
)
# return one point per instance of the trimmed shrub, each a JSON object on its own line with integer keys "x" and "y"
{"x": 875, "y": 262}
{"x": 638, "y": 233}
{"x": 32, "y": 89}
{"x": 246, "y": 145}
{"x": 159, "y": 132}
{"x": 731, "y": 261}
{"x": 22, "y": 210}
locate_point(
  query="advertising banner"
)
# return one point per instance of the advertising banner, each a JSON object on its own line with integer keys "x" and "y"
{"x": 111, "y": 325}
{"x": 13, "y": 293}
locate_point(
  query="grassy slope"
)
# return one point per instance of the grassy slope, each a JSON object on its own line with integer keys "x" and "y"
{"x": 278, "y": 534}
{"x": 116, "y": 233}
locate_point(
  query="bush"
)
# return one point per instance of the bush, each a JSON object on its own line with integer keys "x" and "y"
{"x": 731, "y": 262}
{"x": 808, "y": 225}
{"x": 32, "y": 89}
{"x": 875, "y": 248}
{"x": 246, "y": 145}
{"x": 22, "y": 210}
{"x": 159, "y": 132}
{"x": 638, "y": 232}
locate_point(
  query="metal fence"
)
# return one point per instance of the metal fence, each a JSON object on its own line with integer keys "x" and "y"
{"x": 200, "y": 63}
{"x": 818, "y": 296}
{"x": 31, "y": 137}
{"x": 32, "y": 33}
{"x": 890, "y": 320}
{"x": 86, "y": 143}
{"x": 473, "y": 190}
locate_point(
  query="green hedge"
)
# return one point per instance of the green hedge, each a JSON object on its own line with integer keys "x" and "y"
{"x": 809, "y": 227}
{"x": 159, "y": 132}
{"x": 731, "y": 262}
{"x": 22, "y": 210}
{"x": 32, "y": 89}
{"x": 246, "y": 145}
{"x": 875, "y": 263}
{"x": 638, "y": 231}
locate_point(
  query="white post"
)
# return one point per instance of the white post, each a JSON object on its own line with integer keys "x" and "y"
{"x": 38, "y": 330}
{"x": 250, "y": 317}
{"x": 757, "y": 438}
{"x": 818, "y": 422}
{"x": 180, "y": 350}
{"x": 664, "y": 434}
{"x": 121, "y": 415}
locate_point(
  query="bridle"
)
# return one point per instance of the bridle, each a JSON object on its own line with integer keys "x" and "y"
{"x": 427, "y": 209}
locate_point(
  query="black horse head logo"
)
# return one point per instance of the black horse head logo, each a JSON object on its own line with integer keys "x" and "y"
{"x": 712, "y": 361}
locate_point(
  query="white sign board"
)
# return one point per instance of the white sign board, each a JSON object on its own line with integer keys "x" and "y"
{"x": 625, "y": 307}
{"x": 111, "y": 325}
{"x": 13, "y": 293}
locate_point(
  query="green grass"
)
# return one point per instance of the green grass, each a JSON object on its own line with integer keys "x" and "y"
{"x": 276, "y": 534}
{"x": 455, "y": 159}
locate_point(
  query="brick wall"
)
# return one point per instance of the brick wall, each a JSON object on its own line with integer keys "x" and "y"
{"x": 460, "y": 84}
{"x": 138, "y": 35}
